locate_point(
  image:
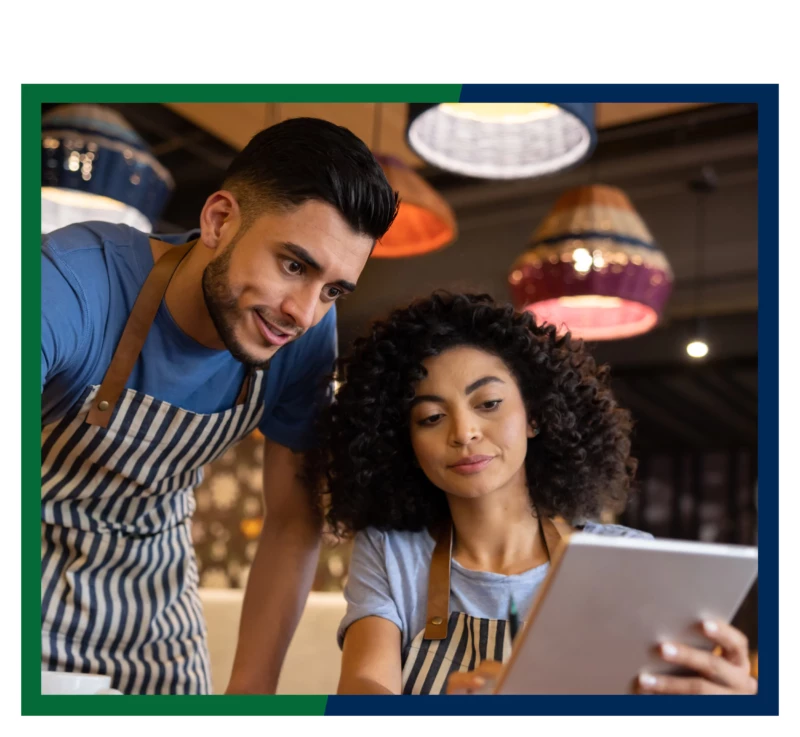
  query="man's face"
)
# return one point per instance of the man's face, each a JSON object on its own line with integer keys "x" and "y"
{"x": 279, "y": 277}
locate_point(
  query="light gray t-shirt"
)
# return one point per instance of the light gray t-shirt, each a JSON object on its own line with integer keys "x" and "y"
{"x": 388, "y": 578}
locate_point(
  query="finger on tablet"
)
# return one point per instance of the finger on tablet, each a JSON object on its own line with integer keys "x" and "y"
{"x": 733, "y": 642}
{"x": 660, "y": 684}
{"x": 713, "y": 667}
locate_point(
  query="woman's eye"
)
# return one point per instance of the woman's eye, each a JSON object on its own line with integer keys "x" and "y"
{"x": 432, "y": 420}
{"x": 491, "y": 404}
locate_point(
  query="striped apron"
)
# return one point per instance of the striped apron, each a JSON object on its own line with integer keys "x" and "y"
{"x": 455, "y": 641}
{"x": 119, "y": 574}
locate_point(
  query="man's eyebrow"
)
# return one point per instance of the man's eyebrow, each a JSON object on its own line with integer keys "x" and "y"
{"x": 303, "y": 255}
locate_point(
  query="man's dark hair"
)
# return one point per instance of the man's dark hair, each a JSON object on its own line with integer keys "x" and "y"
{"x": 304, "y": 159}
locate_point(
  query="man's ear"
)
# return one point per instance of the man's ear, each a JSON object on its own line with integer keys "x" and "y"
{"x": 220, "y": 220}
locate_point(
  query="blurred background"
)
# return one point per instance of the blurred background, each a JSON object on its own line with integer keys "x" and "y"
{"x": 675, "y": 184}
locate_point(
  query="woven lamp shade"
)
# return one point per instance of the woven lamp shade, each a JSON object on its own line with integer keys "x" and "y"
{"x": 95, "y": 166}
{"x": 593, "y": 268}
{"x": 502, "y": 140}
{"x": 424, "y": 222}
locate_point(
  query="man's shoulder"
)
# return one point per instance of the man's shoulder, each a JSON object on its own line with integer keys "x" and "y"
{"x": 85, "y": 251}
{"x": 89, "y": 236}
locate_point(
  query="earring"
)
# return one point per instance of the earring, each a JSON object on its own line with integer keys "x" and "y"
{"x": 535, "y": 432}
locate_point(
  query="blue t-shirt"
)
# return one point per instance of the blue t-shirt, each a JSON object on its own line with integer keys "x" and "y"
{"x": 388, "y": 578}
{"x": 91, "y": 275}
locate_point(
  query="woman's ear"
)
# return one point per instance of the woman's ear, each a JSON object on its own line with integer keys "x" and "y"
{"x": 533, "y": 431}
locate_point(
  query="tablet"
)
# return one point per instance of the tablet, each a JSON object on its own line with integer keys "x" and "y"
{"x": 607, "y": 603}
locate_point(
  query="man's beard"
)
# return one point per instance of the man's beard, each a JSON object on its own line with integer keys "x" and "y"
{"x": 222, "y": 307}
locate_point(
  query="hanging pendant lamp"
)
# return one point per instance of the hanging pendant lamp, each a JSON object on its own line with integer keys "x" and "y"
{"x": 96, "y": 167}
{"x": 502, "y": 140}
{"x": 424, "y": 222}
{"x": 593, "y": 268}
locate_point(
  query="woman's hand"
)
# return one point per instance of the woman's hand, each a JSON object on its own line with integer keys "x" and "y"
{"x": 475, "y": 681}
{"x": 726, "y": 670}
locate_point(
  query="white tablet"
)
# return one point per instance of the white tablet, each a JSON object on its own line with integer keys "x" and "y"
{"x": 607, "y": 603}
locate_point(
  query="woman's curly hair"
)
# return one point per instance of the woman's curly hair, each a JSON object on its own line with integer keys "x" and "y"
{"x": 365, "y": 469}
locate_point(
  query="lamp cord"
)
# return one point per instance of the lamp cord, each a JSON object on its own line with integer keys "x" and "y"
{"x": 699, "y": 250}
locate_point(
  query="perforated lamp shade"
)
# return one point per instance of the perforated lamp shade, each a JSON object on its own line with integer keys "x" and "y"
{"x": 96, "y": 167}
{"x": 424, "y": 222}
{"x": 593, "y": 268}
{"x": 502, "y": 140}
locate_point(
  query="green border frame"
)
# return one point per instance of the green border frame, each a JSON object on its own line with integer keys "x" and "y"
{"x": 33, "y": 703}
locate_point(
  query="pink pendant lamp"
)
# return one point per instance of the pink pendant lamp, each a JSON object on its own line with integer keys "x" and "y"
{"x": 593, "y": 268}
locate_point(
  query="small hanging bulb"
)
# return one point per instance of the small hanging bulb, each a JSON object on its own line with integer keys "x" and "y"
{"x": 697, "y": 349}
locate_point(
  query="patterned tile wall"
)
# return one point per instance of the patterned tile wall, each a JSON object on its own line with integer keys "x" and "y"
{"x": 229, "y": 517}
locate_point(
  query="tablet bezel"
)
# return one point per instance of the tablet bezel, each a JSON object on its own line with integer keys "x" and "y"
{"x": 589, "y": 540}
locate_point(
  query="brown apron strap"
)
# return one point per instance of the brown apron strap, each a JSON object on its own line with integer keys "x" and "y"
{"x": 554, "y": 533}
{"x": 134, "y": 335}
{"x": 439, "y": 585}
{"x": 245, "y": 387}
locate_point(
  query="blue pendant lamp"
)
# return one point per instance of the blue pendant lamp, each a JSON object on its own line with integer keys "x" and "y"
{"x": 96, "y": 167}
{"x": 502, "y": 140}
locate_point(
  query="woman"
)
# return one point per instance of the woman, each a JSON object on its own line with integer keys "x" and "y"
{"x": 462, "y": 439}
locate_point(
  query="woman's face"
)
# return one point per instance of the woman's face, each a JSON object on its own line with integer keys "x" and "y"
{"x": 469, "y": 427}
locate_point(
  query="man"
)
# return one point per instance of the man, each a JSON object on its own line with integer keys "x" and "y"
{"x": 154, "y": 362}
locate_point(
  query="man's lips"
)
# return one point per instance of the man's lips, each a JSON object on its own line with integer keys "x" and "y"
{"x": 271, "y": 333}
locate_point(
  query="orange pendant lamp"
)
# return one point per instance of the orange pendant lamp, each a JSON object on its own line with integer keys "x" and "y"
{"x": 424, "y": 222}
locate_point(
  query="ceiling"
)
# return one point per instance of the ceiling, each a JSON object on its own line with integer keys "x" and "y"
{"x": 381, "y": 125}
{"x": 650, "y": 151}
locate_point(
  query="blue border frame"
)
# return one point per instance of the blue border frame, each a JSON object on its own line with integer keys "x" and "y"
{"x": 766, "y": 701}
